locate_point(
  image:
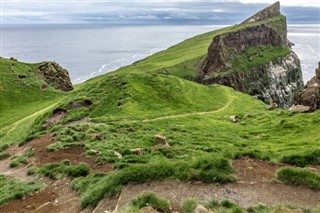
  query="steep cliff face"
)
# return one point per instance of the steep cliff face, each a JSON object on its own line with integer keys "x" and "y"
{"x": 255, "y": 57}
{"x": 310, "y": 95}
{"x": 53, "y": 74}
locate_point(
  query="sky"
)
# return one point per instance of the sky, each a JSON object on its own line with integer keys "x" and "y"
{"x": 150, "y": 11}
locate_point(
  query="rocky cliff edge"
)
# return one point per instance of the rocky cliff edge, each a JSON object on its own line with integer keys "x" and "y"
{"x": 255, "y": 57}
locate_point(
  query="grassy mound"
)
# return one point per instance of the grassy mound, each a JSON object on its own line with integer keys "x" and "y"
{"x": 299, "y": 177}
{"x": 14, "y": 189}
{"x": 22, "y": 99}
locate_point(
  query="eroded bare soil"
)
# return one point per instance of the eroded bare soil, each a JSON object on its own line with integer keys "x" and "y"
{"x": 254, "y": 185}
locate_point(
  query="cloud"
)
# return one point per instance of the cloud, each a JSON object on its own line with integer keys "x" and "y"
{"x": 290, "y": 3}
{"x": 145, "y": 11}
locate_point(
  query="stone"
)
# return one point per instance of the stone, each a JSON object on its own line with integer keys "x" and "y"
{"x": 246, "y": 116}
{"x": 201, "y": 209}
{"x": 13, "y": 59}
{"x": 53, "y": 74}
{"x": 148, "y": 209}
{"x": 234, "y": 118}
{"x": 300, "y": 108}
{"x": 96, "y": 137}
{"x": 137, "y": 151}
{"x": 43, "y": 86}
{"x": 159, "y": 139}
{"x": 310, "y": 95}
{"x": 272, "y": 106}
{"x": 117, "y": 154}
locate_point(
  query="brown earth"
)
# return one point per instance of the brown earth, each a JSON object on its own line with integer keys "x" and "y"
{"x": 57, "y": 196}
{"x": 254, "y": 186}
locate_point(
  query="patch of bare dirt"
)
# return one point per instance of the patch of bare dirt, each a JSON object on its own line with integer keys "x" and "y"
{"x": 72, "y": 153}
{"x": 57, "y": 116}
{"x": 250, "y": 170}
{"x": 56, "y": 197}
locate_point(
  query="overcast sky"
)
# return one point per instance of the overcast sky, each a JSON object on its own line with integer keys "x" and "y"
{"x": 150, "y": 11}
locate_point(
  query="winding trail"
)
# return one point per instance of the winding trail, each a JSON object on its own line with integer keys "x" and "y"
{"x": 15, "y": 124}
{"x": 230, "y": 101}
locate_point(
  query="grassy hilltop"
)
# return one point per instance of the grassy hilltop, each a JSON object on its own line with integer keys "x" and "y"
{"x": 153, "y": 97}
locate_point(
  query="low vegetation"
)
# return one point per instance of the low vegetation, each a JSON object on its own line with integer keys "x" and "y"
{"x": 58, "y": 171}
{"x": 15, "y": 189}
{"x": 300, "y": 177}
{"x": 21, "y": 159}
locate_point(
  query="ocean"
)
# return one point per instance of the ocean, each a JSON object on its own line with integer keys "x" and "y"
{"x": 90, "y": 50}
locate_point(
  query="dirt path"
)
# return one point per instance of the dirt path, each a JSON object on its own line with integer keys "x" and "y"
{"x": 14, "y": 125}
{"x": 254, "y": 187}
{"x": 230, "y": 100}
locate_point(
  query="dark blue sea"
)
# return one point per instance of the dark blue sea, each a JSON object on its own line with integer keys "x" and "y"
{"x": 91, "y": 50}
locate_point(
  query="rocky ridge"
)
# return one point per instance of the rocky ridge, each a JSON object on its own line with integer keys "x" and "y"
{"x": 309, "y": 97}
{"x": 53, "y": 74}
{"x": 239, "y": 59}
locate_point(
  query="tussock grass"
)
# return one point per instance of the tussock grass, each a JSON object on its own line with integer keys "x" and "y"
{"x": 57, "y": 171}
{"x": 300, "y": 177}
{"x": 150, "y": 199}
{"x": 11, "y": 189}
{"x": 210, "y": 170}
{"x": 224, "y": 206}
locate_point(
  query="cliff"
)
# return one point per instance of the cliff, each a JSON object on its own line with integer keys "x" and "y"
{"x": 255, "y": 57}
{"x": 310, "y": 95}
{"x": 53, "y": 74}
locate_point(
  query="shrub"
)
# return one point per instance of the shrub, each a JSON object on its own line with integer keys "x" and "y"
{"x": 150, "y": 199}
{"x": 16, "y": 161}
{"x": 312, "y": 158}
{"x": 205, "y": 169}
{"x": 299, "y": 177}
{"x": 78, "y": 171}
{"x": 4, "y": 155}
{"x": 57, "y": 171}
{"x": 189, "y": 205}
{"x": 258, "y": 209}
{"x": 31, "y": 170}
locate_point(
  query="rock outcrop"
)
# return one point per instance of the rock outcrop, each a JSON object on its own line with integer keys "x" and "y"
{"x": 310, "y": 95}
{"x": 255, "y": 57}
{"x": 56, "y": 76}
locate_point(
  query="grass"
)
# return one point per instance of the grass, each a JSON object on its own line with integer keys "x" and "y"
{"x": 300, "y": 177}
{"x": 21, "y": 159}
{"x": 209, "y": 169}
{"x": 224, "y": 206}
{"x": 11, "y": 189}
{"x": 21, "y": 100}
{"x": 255, "y": 56}
{"x": 4, "y": 155}
{"x": 135, "y": 103}
{"x": 150, "y": 199}
{"x": 58, "y": 171}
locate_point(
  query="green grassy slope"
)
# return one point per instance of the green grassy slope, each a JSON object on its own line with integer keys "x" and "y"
{"x": 21, "y": 99}
{"x": 132, "y": 105}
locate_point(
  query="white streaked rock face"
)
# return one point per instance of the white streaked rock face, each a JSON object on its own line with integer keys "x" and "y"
{"x": 285, "y": 79}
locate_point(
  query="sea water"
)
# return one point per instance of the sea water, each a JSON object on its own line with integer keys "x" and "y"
{"x": 90, "y": 50}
